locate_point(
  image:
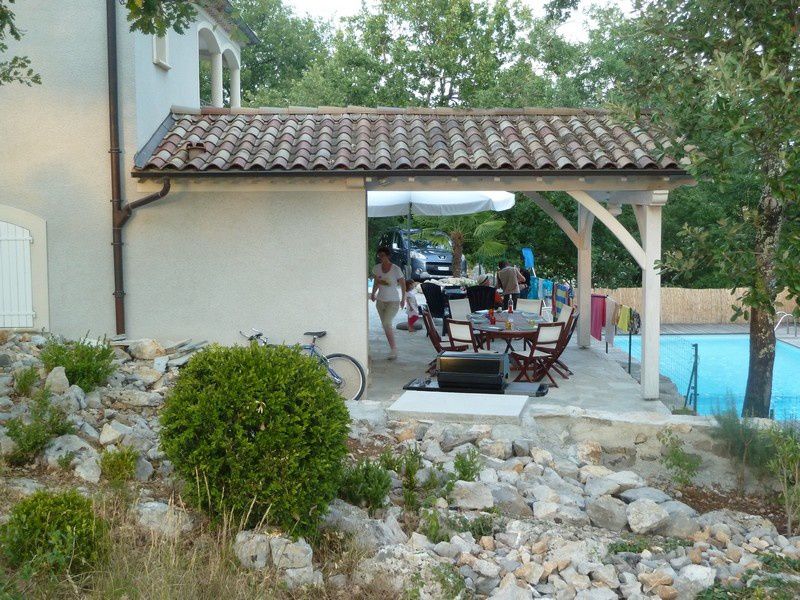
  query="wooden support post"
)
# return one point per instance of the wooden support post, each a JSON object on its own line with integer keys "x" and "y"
{"x": 649, "y": 221}
{"x": 585, "y": 222}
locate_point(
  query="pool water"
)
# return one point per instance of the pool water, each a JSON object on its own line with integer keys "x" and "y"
{"x": 722, "y": 370}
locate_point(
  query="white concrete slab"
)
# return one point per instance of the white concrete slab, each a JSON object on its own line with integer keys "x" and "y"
{"x": 461, "y": 408}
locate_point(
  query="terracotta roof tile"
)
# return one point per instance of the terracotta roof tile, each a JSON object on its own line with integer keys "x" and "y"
{"x": 367, "y": 139}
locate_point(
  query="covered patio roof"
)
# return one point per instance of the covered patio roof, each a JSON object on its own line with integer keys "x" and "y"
{"x": 599, "y": 161}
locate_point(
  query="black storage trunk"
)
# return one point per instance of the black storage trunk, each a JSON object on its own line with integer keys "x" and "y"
{"x": 468, "y": 370}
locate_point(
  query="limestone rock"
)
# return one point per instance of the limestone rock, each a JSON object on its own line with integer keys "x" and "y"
{"x": 509, "y": 501}
{"x": 135, "y": 398}
{"x": 607, "y": 512}
{"x": 501, "y": 449}
{"x": 287, "y": 554}
{"x": 367, "y": 533}
{"x": 472, "y": 495}
{"x": 653, "y": 494}
{"x": 601, "y": 486}
{"x": 693, "y": 579}
{"x": 113, "y": 432}
{"x": 596, "y": 594}
{"x": 57, "y": 381}
{"x": 302, "y": 577}
{"x": 627, "y": 480}
{"x": 252, "y": 549}
{"x": 163, "y": 519}
{"x": 510, "y": 590}
{"x": 589, "y": 452}
{"x": 403, "y": 570}
{"x": 145, "y": 349}
{"x": 645, "y": 516}
{"x": 81, "y": 452}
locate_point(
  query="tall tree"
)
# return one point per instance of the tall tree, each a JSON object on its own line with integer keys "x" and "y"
{"x": 288, "y": 45}
{"x": 724, "y": 78}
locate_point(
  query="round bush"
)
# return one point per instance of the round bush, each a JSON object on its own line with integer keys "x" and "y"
{"x": 259, "y": 431}
{"x": 58, "y": 531}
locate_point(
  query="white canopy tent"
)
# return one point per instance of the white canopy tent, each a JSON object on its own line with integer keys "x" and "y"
{"x": 434, "y": 204}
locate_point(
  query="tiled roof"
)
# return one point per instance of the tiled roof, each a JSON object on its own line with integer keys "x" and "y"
{"x": 354, "y": 139}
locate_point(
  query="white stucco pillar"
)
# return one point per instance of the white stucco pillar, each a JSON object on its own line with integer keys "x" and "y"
{"x": 236, "y": 87}
{"x": 585, "y": 222}
{"x": 649, "y": 220}
{"x": 216, "y": 79}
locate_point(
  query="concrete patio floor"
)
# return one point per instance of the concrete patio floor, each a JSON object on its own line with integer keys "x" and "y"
{"x": 599, "y": 382}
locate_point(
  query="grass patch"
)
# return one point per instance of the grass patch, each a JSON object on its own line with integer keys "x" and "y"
{"x": 467, "y": 465}
{"x": 119, "y": 466}
{"x": 24, "y": 380}
{"x": 366, "y": 484}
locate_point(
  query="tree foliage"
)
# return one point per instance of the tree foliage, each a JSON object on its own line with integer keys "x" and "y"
{"x": 15, "y": 69}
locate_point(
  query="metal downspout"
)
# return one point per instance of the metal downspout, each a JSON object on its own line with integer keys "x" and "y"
{"x": 119, "y": 214}
{"x": 114, "y": 152}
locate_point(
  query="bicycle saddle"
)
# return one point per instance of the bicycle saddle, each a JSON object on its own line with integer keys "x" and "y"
{"x": 316, "y": 334}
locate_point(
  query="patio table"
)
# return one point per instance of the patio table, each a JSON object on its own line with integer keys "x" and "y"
{"x": 523, "y": 327}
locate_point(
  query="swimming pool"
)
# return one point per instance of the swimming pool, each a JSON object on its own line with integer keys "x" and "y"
{"x": 722, "y": 370}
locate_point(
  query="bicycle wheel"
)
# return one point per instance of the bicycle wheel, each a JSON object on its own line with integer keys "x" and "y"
{"x": 349, "y": 373}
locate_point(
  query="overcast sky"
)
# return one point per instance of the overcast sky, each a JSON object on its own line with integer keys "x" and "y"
{"x": 574, "y": 29}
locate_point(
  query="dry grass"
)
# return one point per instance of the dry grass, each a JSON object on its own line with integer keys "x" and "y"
{"x": 5, "y": 334}
{"x": 199, "y": 566}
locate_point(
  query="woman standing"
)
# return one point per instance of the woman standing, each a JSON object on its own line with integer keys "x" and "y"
{"x": 388, "y": 293}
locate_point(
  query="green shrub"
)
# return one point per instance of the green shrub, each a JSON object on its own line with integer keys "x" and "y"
{"x": 24, "y": 380}
{"x": 54, "y": 531}
{"x": 46, "y": 422}
{"x": 747, "y": 444}
{"x": 467, "y": 465}
{"x": 785, "y": 465}
{"x": 119, "y": 466}
{"x": 257, "y": 431}
{"x": 366, "y": 484}
{"x": 86, "y": 364}
{"x": 682, "y": 466}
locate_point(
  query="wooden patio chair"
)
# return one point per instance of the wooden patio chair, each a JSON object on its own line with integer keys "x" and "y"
{"x": 461, "y": 332}
{"x": 529, "y": 305}
{"x": 439, "y": 344}
{"x": 559, "y": 366}
{"x": 481, "y": 297}
{"x": 535, "y": 364}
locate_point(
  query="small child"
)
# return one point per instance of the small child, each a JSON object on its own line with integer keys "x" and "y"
{"x": 412, "y": 308}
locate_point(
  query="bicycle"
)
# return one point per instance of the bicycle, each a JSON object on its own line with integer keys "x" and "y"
{"x": 345, "y": 371}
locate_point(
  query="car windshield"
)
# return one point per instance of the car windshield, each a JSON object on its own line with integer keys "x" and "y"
{"x": 421, "y": 244}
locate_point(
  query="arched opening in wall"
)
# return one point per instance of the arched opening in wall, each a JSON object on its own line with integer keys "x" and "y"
{"x": 210, "y": 59}
{"x": 23, "y": 270}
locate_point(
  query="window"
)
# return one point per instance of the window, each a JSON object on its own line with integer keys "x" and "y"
{"x": 161, "y": 52}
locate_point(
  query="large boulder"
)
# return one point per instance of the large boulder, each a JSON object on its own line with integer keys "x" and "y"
{"x": 509, "y": 501}
{"x": 607, "y": 512}
{"x": 145, "y": 349}
{"x": 163, "y": 519}
{"x": 369, "y": 534}
{"x": 472, "y": 495}
{"x": 83, "y": 458}
{"x": 287, "y": 554}
{"x": 650, "y": 493}
{"x": 693, "y": 579}
{"x": 645, "y": 516}
{"x": 57, "y": 381}
{"x": 252, "y": 549}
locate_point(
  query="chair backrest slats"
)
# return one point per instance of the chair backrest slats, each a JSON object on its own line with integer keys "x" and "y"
{"x": 459, "y": 309}
{"x": 550, "y": 333}
{"x": 434, "y": 298}
{"x": 529, "y": 305}
{"x": 433, "y": 333}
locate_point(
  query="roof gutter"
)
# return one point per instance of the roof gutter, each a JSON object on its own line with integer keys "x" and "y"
{"x": 119, "y": 213}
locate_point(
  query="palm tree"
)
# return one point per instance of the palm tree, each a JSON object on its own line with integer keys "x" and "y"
{"x": 477, "y": 231}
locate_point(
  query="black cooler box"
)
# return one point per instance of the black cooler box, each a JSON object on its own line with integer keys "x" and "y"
{"x": 472, "y": 370}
